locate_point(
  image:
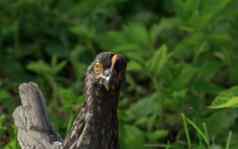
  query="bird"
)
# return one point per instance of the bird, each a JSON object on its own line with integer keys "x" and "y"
{"x": 96, "y": 125}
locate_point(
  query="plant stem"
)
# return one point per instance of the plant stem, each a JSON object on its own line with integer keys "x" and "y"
{"x": 186, "y": 131}
{"x": 228, "y": 142}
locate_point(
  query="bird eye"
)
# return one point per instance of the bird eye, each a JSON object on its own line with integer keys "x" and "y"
{"x": 98, "y": 68}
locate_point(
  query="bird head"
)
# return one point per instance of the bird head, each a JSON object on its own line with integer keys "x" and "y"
{"x": 108, "y": 71}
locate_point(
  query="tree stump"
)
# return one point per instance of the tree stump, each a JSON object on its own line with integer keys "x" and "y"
{"x": 31, "y": 120}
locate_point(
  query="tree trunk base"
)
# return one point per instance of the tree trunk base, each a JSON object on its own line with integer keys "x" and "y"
{"x": 31, "y": 120}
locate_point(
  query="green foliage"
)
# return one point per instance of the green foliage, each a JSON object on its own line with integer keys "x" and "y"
{"x": 133, "y": 138}
{"x": 182, "y": 58}
{"x": 226, "y": 99}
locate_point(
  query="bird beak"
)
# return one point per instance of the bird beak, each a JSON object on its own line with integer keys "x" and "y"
{"x": 108, "y": 81}
{"x": 107, "y": 84}
{"x": 111, "y": 76}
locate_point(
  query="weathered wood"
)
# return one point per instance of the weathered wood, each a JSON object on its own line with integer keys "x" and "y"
{"x": 31, "y": 120}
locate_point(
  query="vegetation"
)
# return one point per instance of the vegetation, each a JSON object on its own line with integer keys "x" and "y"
{"x": 182, "y": 80}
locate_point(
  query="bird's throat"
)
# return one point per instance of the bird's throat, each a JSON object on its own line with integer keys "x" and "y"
{"x": 101, "y": 118}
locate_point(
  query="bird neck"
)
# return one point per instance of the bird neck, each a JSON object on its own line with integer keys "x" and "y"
{"x": 101, "y": 104}
{"x": 101, "y": 117}
{"x": 98, "y": 100}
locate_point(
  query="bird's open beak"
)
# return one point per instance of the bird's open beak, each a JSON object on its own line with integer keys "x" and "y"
{"x": 108, "y": 80}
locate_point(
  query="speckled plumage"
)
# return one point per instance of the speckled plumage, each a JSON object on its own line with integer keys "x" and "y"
{"x": 96, "y": 126}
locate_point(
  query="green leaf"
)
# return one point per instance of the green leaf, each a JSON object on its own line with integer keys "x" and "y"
{"x": 150, "y": 105}
{"x": 137, "y": 33}
{"x": 200, "y": 133}
{"x": 5, "y": 99}
{"x": 230, "y": 103}
{"x": 184, "y": 78}
{"x": 131, "y": 137}
{"x": 157, "y": 135}
{"x": 70, "y": 99}
{"x": 159, "y": 60}
{"x": 134, "y": 66}
{"x": 226, "y": 99}
{"x": 40, "y": 67}
{"x": 198, "y": 130}
{"x": 3, "y": 128}
{"x": 208, "y": 69}
{"x": 221, "y": 121}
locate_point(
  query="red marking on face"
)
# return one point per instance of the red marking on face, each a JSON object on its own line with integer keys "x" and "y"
{"x": 114, "y": 60}
{"x": 117, "y": 65}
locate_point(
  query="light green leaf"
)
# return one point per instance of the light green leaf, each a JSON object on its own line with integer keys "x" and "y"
{"x": 231, "y": 103}
{"x": 226, "y": 99}
{"x": 159, "y": 60}
{"x": 134, "y": 66}
{"x": 40, "y": 67}
{"x": 158, "y": 134}
{"x": 45, "y": 69}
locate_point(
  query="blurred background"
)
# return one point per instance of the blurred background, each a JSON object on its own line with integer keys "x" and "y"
{"x": 182, "y": 80}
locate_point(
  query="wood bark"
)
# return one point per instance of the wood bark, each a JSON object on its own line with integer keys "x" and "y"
{"x": 32, "y": 122}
